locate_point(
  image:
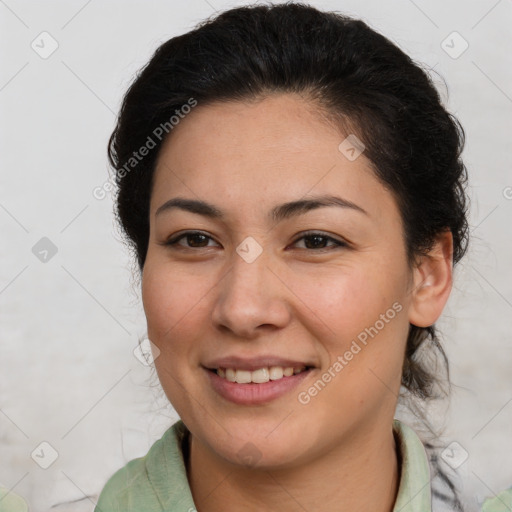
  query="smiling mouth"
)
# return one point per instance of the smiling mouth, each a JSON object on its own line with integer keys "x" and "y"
{"x": 259, "y": 376}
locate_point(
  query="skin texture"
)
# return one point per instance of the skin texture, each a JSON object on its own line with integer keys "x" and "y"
{"x": 202, "y": 301}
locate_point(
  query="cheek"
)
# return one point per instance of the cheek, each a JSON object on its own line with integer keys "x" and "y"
{"x": 358, "y": 314}
{"x": 343, "y": 302}
{"x": 173, "y": 309}
{"x": 172, "y": 303}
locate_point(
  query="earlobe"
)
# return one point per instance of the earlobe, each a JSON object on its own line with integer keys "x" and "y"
{"x": 432, "y": 282}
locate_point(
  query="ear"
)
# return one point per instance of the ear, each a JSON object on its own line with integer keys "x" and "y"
{"x": 432, "y": 282}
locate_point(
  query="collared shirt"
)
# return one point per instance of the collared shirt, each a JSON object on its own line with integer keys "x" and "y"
{"x": 158, "y": 481}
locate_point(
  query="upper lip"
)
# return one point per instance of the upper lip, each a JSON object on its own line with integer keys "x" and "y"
{"x": 254, "y": 363}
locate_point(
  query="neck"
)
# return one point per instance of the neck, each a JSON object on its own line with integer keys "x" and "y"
{"x": 361, "y": 475}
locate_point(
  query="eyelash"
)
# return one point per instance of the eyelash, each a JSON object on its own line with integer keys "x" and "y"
{"x": 338, "y": 244}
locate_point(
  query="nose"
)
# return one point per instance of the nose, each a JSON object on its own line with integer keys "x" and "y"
{"x": 251, "y": 299}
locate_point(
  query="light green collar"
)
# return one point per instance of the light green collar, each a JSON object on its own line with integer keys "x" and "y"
{"x": 413, "y": 493}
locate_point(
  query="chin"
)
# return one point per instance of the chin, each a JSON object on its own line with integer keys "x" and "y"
{"x": 257, "y": 448}
{"x": 265, "y": 458}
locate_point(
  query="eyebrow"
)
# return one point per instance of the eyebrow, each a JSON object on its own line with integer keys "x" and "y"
{"x": 277, "y": 214}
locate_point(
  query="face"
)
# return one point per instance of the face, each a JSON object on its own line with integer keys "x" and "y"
{"x": 237, "y": 286}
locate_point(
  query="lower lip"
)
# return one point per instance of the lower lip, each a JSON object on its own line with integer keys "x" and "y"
{"x": 252, "y": 393}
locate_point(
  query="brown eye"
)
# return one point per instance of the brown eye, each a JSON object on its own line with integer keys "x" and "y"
{"x": 197, "y": 240}
{"x": 315, "y": 241}
{"x": 194, "y": 239}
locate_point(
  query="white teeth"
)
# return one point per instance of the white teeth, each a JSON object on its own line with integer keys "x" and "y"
{"x": 259, "y": 376}
{"x": 276, "y": 373}
{"x": 243, "y": 376}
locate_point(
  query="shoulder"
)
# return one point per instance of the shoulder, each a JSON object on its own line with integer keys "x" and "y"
{"x": 420, "y": 487}
{"x": 500, "y": 503}
{"x": 152, "y": 482}
{"x": 11, "y": 502}
{"x": 122, "y": 486}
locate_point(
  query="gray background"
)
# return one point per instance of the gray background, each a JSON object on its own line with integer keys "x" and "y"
{"x": 69, "y": 325}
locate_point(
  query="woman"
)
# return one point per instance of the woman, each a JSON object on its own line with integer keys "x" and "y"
{"x": 293, "y": 190}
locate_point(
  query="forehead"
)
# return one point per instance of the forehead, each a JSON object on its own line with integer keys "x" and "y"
{"x": 255, "y": 154}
